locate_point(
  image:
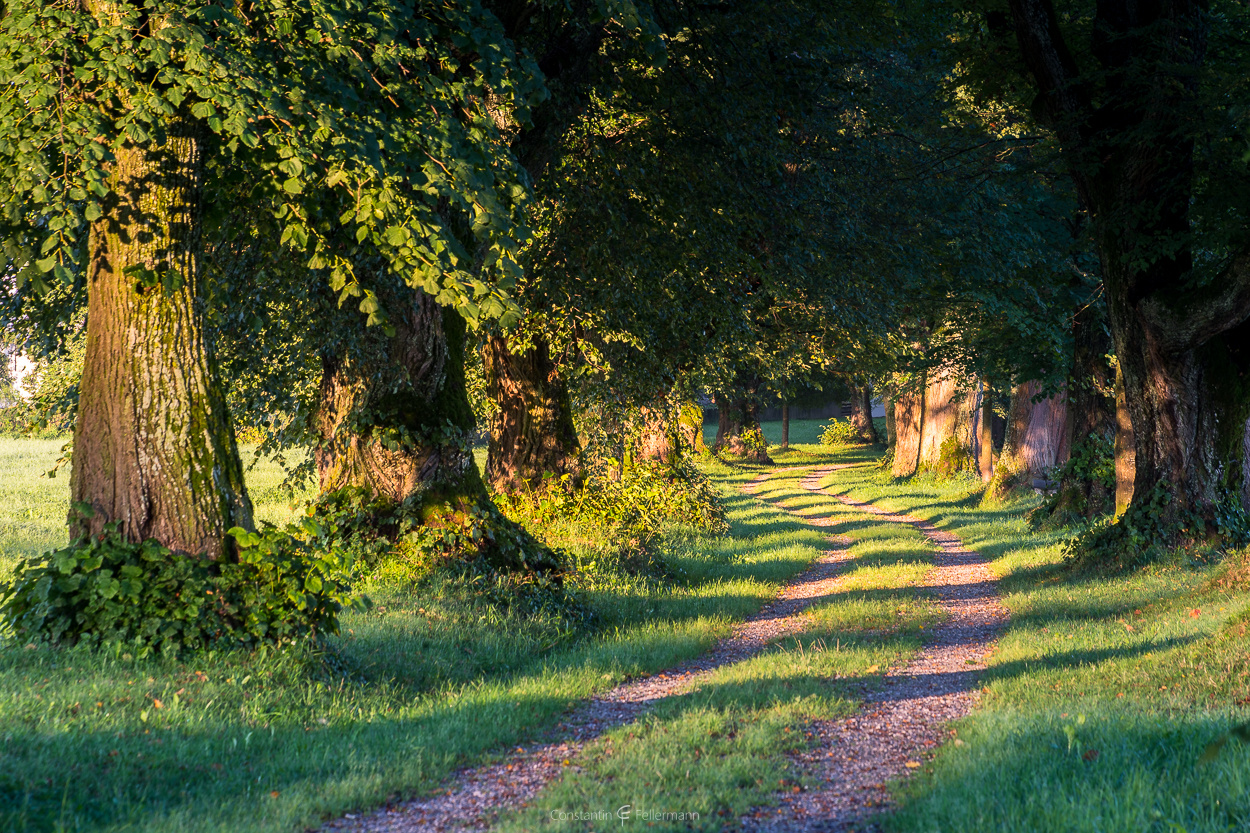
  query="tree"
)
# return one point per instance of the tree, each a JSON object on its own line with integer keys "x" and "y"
{"x": 118, "y": 139}
{"x": 1141, "y": 97}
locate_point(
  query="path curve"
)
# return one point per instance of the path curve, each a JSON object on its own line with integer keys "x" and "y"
{"x": 898, "y": 724}
{"x": 472, "y": 798}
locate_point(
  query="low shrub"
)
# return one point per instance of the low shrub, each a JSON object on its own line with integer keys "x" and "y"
{"x": 286, "y": 585}
{"x": 840, "y": 432}
{"x": 953, "y": 459}
{"x": 614, "y": 521}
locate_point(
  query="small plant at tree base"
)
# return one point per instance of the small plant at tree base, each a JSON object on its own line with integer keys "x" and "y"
{"x": 1148, "y": 531}
{"x": 286, "y": 585}
{"x": 953, "y": 458}
{"x": 474, "y": 547}
{"x": 1092, "y": 462}
{"x": 840, "y": 432}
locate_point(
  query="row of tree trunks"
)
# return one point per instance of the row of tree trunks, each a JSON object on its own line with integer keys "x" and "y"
{"x": 923, "y": 420}
{"x": 1130, "y": 147}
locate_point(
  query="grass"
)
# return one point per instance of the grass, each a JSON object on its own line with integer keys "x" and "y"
{"x": 421, "y": 685}
{"x": 33, "y": 518}
{"x": 700, "y": 760}
{"x": 1099, "y": 700}
{"x": 1102, "y": 694}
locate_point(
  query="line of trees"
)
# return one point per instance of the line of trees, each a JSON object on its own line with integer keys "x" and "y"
{"x": 344, "y": 223}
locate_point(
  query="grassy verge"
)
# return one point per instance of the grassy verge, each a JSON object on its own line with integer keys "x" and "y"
{"x": 700, "y": 760}
{"x": 424, "y": 683}
{"x": 1103, "y": 691}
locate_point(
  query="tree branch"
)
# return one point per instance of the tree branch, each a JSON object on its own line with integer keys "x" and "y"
{"x": 1203, "y": 314}
{"x": 1046, "y": 54}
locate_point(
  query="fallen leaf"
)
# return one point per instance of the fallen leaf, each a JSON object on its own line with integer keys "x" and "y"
{"x": 873, "y": 669}
{"x": 1090, "y": 755}
{"x": 274, "y": 794}
{"x": 158, "y": 704}
{"x": 912, "y": 764}
{"x": 1195, "y": 613}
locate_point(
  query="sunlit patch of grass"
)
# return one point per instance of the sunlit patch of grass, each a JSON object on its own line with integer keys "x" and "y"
{"x": 1101, "y": 694}
{"x": 425, "y": 682}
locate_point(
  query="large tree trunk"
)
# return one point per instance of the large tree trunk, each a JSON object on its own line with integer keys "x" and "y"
{"x": 690, "y": 424}
{"x": 1037, "y": 432}
{"x": 153, "y": 447}
{"x": 908, "y": 422}
{"x": 395, "y": 422}
{"x": 861, "y": 412}
{"x": 532, "y": 435}
{"x": 383, "y": 411}
{"x": 660, "y": 438}
{"x": 985, "y": 435}
{"x": 948, "y": 414}
{"x": 739, "y": 430}
{"x": 1090, "y": 416}
{"x": 1131, "y": 154}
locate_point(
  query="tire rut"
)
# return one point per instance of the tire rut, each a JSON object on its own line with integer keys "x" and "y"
{"x": 472, "y": 799}
{"x": 899, "y": 723}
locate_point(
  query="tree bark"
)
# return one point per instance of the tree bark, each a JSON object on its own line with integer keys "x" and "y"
{"x": 785, "y": 425}
{"x": 1125, "y": 449}
{"x": 1037, "y": 432}
{"x": 660, "y": 439}
{"x": 861, "y": 412}
{"x": 739, "y": 430}
{"x": 891, "y": 432}
{"x": 691, "y": 427}
{"x": 532, "y": 435}
{"x": 1090, "y": 410}
{"x": 395, "y": 422}
{"x": 384, "y": 410}
{"x": 985, "y": 435}
{"x": 153, "y": 445}
{"x": 908, "y": 423}
{"x": 1132, "y": 159}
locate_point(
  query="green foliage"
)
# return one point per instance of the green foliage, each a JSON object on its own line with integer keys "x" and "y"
{"x": 286, "y": 585}
{"x": 374, "y": 118}
{"x": 953, "y": 459}
{"x": 615, "y": 519}
{"x": 840, "y": 432}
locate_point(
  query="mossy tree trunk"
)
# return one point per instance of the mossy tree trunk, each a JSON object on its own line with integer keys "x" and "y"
{"x": 395, "y": 422}
{"x": 660, "y": 438}
{"x": 1091, "y": 415}
{"x": 531, "y": 433}
{"x": 393, "y": 416}
{"x": 153, "y": 445}
{"x": 739, "y": 432}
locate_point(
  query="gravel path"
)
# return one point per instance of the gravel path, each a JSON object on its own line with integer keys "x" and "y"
{"x": 472, "y": 798}
{"x": 903, "y": 720}
{"x": 854, "y": 757}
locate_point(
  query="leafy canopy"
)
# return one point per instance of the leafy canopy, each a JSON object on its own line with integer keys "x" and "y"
{"x": 370, "y": 118}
